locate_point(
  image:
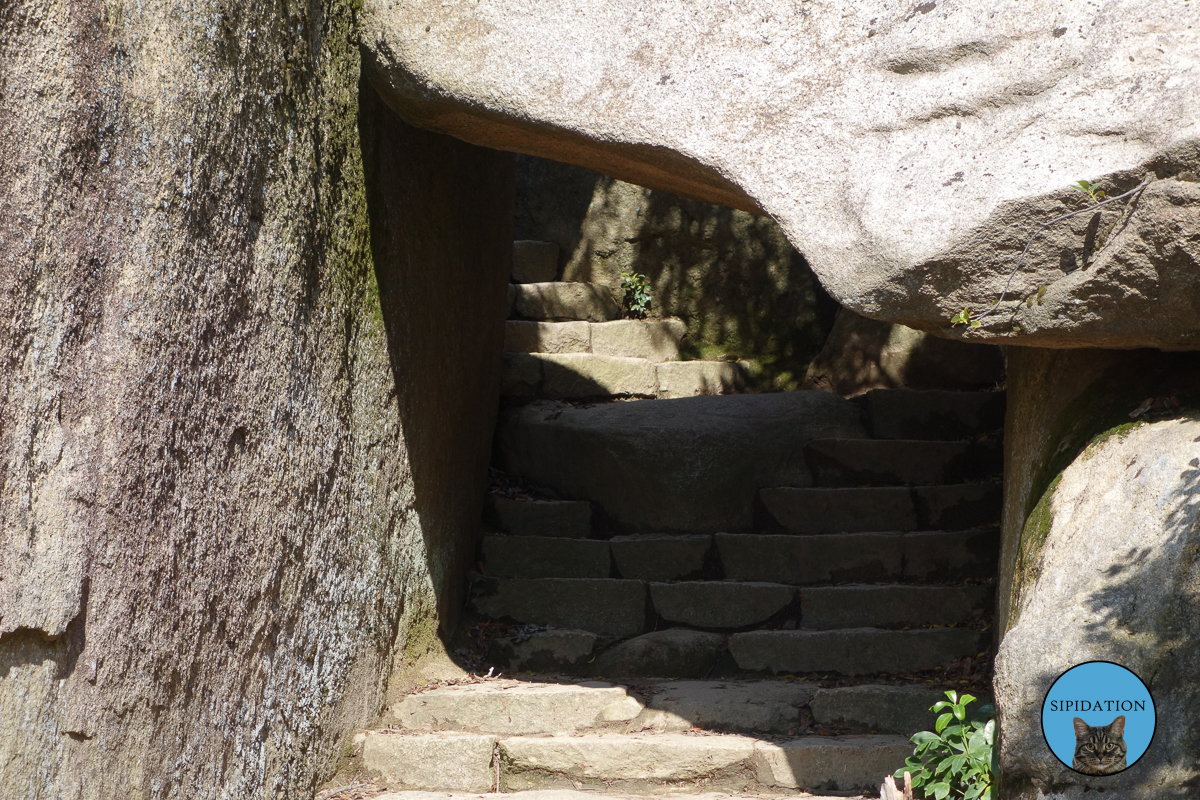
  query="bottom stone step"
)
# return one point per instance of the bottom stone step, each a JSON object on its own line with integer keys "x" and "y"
{"x": 854, "y": 651}
{"x": 573, "y": 794}
{"x": 635, "y": 763}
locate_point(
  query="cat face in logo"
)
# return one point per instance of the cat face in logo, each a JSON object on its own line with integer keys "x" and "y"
{"x": 1099, "y": 750}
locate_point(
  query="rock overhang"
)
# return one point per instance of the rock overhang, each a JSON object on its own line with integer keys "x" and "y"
{"x": 909, "y": 150}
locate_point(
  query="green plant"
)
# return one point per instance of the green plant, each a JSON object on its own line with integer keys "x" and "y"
{"x": 1094, "y": 194}
{"x": 637, "y": 292}
{"x": 957, "y": 758}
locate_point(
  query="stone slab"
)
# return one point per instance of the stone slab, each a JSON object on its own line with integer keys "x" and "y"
{"x": 433, "y": 761}
{"x": 559, "y": 650}
{"x": 933, "y": 414}
{"x": 800, "y": 560}
{"x": 660, "y": 557}
{"x": 655, "y": 340}
{"x": 560, "y": 301}
{"x": 574, "y": 794}
{"x": 826, "y": 607}
{"x": 631, "y": 758}
{"x": 854, "y": 651}
{"x": 603, "y": 606}
{"x": 951, "y": 555}
{"x": 843, "y": 510}
{"x": 534, "y": 262}
{"x": 571, "y": 375}
{"x": 959, "y": 506}
{"x": 571, "y": 519}
{"x": 545, "y": 557}
{"x": 527, "y": 336}
{"x": 902, "y": 710}
{"x": 745, "y": 706}
{"x": 672, "y": 653}
{"x": 516, "y": 708}
{"x": 692, "y": 465}
{"x": 719, "y": 604}
{"x": 899, "y": 462}
{"x": 844, "y": 764}
{"x": 693, "y": 378}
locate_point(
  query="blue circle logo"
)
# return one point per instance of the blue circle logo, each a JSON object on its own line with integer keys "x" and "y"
{"x": 1098, "y": 718}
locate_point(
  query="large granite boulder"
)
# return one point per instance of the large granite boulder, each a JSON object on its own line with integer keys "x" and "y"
{"x": 910, "y": 150}
{"x": 1101, "y": 556}
{"x": 691, "y": 465}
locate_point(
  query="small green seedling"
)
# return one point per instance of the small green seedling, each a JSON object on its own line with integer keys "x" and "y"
{"x": 1094, "y": 193}
{"x": 964, "y": 318}
{"x": 637, "y": 292}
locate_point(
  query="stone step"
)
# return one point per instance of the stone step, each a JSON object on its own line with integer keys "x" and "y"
{"x": 653, "y": 340}
{"x": 760, "y": 707}
{"x": 661, "y": 557}
{"x": 579, "y": 794}
{"x": 545, "y": 557}
{"x": 897, "y": 462}
{"x": 859, "y": 606}
{"x": 516, "y": 708}
{"x": 670, "y": 653}
{"x": 561, "y": 376}
{"x": 690, "y": 465}
{"x": 854, "y": 651}
{"x": 663, "y": 762}
{"x": 534, "y": 261}
{"x": 933, "y": 414}
{"x": 570, "y": 519}
{"x": 859, "y": 557}
{"x": 720, "y": 604}
{"x": 604, "y": 606}
{"x": 902, "y": 710}
{"x": 884, "y": 508}
{"x": 552, "y": 301}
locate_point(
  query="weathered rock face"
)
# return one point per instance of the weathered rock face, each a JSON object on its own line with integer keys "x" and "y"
{"x": 908, "y": 207}
{"x": 1100, "y": 557}
{"x": 743, "y": 289}
{"x": 232, "y": 479}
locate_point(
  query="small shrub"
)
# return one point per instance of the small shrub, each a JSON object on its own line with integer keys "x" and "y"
{"x": 958, "y": 758}
{"x": 637, "y": 293}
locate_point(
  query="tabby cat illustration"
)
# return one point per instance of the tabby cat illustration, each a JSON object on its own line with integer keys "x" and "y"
{"x": 1099, "y": 750}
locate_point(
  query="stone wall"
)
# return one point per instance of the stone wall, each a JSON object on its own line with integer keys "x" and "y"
{"x": 1100, "y": 554}
{"x": 235, "y": 469}
{"x": 743, "y": 289}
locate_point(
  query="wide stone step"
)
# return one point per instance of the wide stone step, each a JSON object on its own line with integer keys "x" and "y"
{"x": 854, "y": 651}
{"x": 604, "y": 606}
{"x": 933, "y": 414}
{"x": 516, "y": 708}
{"x": 761, "y": 707}
{"x": 592, "y": 794}
{"x": 545, "y": 557}
{"x": 662, "y": 762}
{"x": 827, "y": 607}
{"x": 653, "y": 340}
{"x": 898, "y": 462}
{"x": 884, "y": 508}
{"x": 691, "y": 465}
{"x": 720, "y": 604}
{"x": 551, "y": 301}
{"x": 571, "y": 519}
{"x": 560, "y": 376}
{"x": 859, "y": 557}
{"x": 661, "y": 557}
{"x": 902, "y": 710}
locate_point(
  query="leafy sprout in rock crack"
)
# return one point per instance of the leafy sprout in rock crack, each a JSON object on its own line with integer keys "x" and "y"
{"x": 637, "y": 293}
{"x": 1098, "y": 198}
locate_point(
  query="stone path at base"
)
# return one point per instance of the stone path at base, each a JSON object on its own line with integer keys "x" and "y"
{"x": 571, "y": 794}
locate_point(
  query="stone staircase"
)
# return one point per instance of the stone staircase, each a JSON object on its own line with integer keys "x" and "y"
{"x": 777, "y": 626}
{"x": 567, "y": 340}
